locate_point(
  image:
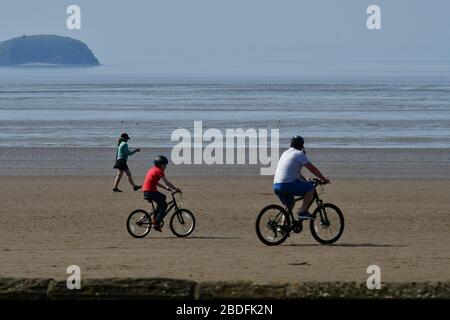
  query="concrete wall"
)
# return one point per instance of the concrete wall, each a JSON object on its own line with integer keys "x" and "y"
{"x": 131, "y": 288}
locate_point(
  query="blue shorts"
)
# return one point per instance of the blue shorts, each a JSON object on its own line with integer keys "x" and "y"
{"x": 287, "y": 191}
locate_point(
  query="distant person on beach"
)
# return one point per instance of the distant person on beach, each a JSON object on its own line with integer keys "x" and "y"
{"x": 121, "y": 162}
{"x": 289, "y": 182}
{"x": 151, "y": 193}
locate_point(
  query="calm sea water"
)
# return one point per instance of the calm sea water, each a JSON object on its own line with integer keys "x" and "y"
{"x": 92, "y": 106}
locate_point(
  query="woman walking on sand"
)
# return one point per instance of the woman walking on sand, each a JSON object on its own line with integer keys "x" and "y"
{"x": 121, "y": 162}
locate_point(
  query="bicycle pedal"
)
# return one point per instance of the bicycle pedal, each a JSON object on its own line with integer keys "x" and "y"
{"x": 297, "y": 226}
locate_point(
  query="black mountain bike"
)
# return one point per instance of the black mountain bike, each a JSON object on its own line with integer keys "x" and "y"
{"x": 274, "y": 224}
{"x": 182, "y": 221}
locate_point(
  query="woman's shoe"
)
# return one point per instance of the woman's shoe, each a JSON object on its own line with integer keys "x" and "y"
{"x": 136, "y": 188}
{"x": 117, "y": 190}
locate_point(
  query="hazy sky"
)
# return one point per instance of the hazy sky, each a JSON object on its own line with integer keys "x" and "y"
{"x": 164, "y": 31}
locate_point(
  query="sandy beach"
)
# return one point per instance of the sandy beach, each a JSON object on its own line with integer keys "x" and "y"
{"x": 58, "y": 210}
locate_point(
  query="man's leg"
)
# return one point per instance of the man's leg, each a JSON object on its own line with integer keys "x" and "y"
{"x": 286, "y": 199}
{"x": 307, "y": 200}
{"x": 305, "y": 189}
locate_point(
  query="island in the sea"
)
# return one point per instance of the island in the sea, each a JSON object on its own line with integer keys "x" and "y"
{"x": 46, "y": 50}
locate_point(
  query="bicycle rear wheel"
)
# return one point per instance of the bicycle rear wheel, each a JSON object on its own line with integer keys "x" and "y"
{"x": 182, "y": 223}
{"x": 139, "y": 223}
{"x": 272, "y": 225}
{"x": 328, "y": 225}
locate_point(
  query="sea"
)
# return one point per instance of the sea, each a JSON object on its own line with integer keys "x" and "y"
{"x": 90, "y": 107}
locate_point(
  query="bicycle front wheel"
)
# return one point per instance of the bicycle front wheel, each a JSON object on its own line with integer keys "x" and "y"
{"x": 182, "y": 223}
{"x": 272, "y": 225}
{"x": 328, "y": 225}
{"x": 139, "y": 223}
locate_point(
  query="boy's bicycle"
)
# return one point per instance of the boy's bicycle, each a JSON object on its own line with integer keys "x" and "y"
{"x": 274, "y": 224}
{"x": 182, "y": 221}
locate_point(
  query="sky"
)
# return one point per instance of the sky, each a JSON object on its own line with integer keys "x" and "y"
{"x": 241, "y": 32}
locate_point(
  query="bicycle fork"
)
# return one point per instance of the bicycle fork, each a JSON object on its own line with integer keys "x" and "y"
{"x": 322, "y": 214}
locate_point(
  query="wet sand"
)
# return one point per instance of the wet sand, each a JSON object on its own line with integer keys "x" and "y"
{"x": 338, "y": 163}
{"x": 397, "y": 217}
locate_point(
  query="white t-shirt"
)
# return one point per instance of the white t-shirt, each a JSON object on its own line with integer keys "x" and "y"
{"x": 290, "y": 165}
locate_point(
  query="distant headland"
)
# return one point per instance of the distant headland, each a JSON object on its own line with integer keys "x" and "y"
{"x": 46, "y": 50}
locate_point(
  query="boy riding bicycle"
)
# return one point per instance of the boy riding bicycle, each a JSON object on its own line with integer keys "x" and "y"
{"x": 288, "y": 180}
{"x": 151, "y": 182}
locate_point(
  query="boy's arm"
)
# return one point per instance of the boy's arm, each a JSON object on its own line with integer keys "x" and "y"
{"x": 163, "y": 186}
{"x": 170, "y": 185}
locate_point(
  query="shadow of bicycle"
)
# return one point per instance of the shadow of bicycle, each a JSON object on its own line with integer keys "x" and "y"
{"x": 200, "y": 237}
{"x": 348, "y": 245}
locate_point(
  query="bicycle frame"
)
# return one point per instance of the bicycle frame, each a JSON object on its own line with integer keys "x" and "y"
{"x": 314, "y": 199}
{"x": 170, "y": 205}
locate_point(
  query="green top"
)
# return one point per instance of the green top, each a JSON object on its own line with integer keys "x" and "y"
{"x": 123, "y": 152}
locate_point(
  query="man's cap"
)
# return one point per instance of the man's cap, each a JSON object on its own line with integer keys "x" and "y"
{"x": 297, "y": 142}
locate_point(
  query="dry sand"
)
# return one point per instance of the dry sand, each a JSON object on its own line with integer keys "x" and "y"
{"x": 51, "y": 222}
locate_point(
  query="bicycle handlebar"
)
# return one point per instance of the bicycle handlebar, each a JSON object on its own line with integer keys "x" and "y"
{"x": 318, "y": 182}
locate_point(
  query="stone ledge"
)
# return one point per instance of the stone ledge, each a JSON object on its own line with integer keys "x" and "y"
{"x": 125, "y": 288}
{"x": 240, "y": 290}
{"x": 24, "y": 289}
{"x": 162, "y": 288}
{"x": 353, "y": 290}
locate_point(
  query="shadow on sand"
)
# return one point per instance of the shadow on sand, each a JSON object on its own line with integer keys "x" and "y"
{"x": 206, "y": 237}
{"x": 349, "y": 245}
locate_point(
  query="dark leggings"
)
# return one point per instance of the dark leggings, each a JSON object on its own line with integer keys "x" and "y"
{"x": 160, "y": 200}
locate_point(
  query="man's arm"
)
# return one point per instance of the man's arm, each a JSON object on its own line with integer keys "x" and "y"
{"x": 316, "y": 172}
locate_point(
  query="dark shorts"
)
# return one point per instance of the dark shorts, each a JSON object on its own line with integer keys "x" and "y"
{"x": 156, "y": 196}
{"x": 121, "y": 165}
{"x": 160, "y": 200}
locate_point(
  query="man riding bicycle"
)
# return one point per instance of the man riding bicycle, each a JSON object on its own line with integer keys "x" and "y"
{"x": 289, "y": 181}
